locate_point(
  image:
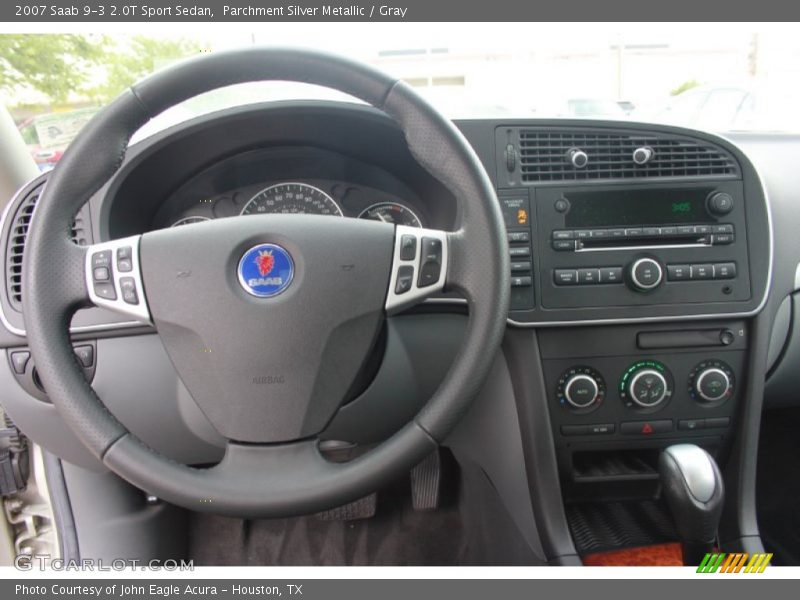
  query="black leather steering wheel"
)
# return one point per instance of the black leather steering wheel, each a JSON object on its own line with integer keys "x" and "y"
{"x": 298, "y": 301}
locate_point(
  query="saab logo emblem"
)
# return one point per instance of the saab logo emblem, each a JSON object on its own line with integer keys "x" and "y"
{"x": 265, "y": 262}
{"x": 265, "y": 270}
{"x": 735, "y": 563}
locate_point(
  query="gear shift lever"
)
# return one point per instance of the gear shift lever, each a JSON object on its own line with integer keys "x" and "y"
{"x": 692, "y": 484}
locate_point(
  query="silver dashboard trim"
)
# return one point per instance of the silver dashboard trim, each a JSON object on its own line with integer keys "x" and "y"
{"x": 662, "y": 319}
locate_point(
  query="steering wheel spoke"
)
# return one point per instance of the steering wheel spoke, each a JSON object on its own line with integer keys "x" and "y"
{"x": 419, "y": 266}
{"x": 114, "y": 278}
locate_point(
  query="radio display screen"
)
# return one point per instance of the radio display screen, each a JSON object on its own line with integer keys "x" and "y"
{"x": 637, "y": 207}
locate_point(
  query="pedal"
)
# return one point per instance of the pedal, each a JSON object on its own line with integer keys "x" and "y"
{"x": 363, "y": 508}
{"x": 426, "y": 479}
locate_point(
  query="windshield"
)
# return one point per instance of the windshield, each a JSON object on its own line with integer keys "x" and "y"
{"x": 744, "y": 77}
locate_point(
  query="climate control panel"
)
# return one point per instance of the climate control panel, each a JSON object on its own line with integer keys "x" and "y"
{"x": 612, "y": 395}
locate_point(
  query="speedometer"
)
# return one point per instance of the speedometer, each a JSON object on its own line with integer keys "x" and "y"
{"x": 292, "y": 198}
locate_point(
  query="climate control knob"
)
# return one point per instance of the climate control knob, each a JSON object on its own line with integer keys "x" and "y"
{"x": 711, "y": 381}
{"x": 581, "y": 389}
{"x": 645, "y": 274}
{"x": 646, "y": 384}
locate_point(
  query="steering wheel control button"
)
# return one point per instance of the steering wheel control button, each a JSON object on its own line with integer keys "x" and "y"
{"x": 646, "y": 274}
{"x": 581, "y": 389}
{"x": 114, "y": 279}
{"x": 85, "y": 355}
{"x": 408, "y": 247}
{"x": 645, "y": 427}
{"x": 711, "y": 382}
{"x": 411, "y": 282}
{"x": 127, "y": 286}
{"x": 405, "y": 279}
{"x": 646, "y": 385}
{"x": 101, "y": 274}
{"x": 124, "y": 260}
{"x": 431, "y": 261}
{"x": 265, "y": 270}
{"x": 106, "y": 291}
{"x": 19, "y": 361}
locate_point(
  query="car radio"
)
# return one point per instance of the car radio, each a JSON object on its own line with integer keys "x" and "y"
{"x": 634, "y": 245}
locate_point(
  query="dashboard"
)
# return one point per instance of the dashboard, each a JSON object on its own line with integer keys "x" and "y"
{"x": 653, "y": 274}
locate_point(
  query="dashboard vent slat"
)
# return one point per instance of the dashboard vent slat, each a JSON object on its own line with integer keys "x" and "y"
{"x": 544, "y": 156}
{"x": 18, "y": 234}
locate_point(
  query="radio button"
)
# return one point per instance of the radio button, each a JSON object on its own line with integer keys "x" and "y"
{"x": 518, "y": 236}
{"x": 563, "y": 234}
{"x": 686, "y": 230}
{"x": 678, "y": 272}
{"x": 702, "y": 272}
{"x": 519, "y": 251}
{"x": 616, "y": 233}
{"x": 633, "y": 232}
{"x": 582, "y": 234}
{"x": 702, "y": 229}
{"x": 724, "y": 228}
{"x": 588, "y": 276}
{"x": 564, "y": 245}
{"x": 646, "y": 274}
{"x": 651, "y": 231}
{"x": 600, "y": 234}
{"x": 722, "y": 238}
{"x": 669, "y": 231}
{"x": 522, "y": 265}
{"x": 521, "y": 281}
{"x": 724, "y": 270}
{"x": 565, "y": 276}
{"x": 611, "y": 275}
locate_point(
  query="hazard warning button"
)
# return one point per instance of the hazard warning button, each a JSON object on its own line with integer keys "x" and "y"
{"x": 646, "y": 427}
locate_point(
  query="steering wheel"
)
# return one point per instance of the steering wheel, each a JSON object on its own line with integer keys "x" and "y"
{"x": 297, "y": 301}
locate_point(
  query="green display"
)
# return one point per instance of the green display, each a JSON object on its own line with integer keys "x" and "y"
{"x": 637, "y": 207}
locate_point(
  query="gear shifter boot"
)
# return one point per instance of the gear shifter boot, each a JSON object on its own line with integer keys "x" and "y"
{"x": 692, "y": 485}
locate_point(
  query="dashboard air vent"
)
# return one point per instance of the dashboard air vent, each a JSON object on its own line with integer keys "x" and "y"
{"x": 17, "y": 236}
{"x": 548, "y": 155}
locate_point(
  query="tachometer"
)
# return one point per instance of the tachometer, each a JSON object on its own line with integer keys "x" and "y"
{"x": 391, "y": 212}
{"x": 292, "y": 198}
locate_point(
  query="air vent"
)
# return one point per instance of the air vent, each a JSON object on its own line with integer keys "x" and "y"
{"x": 545, "y": 155}
{"x": 17, "y": 236}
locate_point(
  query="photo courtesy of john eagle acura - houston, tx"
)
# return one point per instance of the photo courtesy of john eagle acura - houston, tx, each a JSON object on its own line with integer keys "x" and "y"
{"x": 369, "y": 332}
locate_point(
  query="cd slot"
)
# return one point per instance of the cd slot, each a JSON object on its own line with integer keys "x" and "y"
{"x": 607, "y": 243}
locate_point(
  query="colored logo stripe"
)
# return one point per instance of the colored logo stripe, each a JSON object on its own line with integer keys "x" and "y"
{"x": 734, "y": 563}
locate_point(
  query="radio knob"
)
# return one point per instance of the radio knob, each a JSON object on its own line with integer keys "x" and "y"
{"x": 712, "y": 384}
{"x": 581, "y": 390}
{"x": 646, "y": 274}
{"x": 647, "y": 388}
{"x": 720, "y": 203}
